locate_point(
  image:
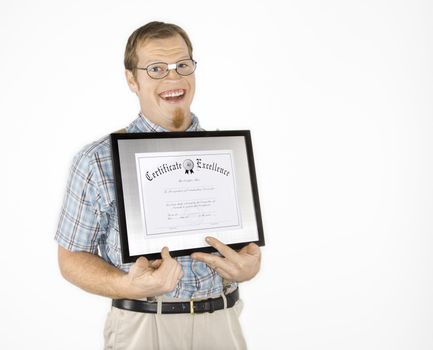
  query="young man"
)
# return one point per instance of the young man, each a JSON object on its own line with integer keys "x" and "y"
{"x": 159, "y": 69}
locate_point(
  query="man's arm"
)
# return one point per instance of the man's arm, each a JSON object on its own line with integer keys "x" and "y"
{"x": 145, "y": 278}
{"x": 233, "y": 266}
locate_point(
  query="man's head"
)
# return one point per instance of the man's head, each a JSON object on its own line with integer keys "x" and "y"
{"x": 164, "y": 101}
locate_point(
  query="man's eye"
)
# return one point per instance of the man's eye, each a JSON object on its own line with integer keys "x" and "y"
{"x": 155, "y": 69}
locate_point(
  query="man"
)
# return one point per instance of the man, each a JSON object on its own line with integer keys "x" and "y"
{"x": 159, "y": 69}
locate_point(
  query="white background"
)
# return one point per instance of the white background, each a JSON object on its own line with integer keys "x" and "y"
{"x": 338, "y": 96}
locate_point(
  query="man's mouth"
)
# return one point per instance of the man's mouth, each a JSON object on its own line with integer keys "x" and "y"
{"x": 173, "y": 95}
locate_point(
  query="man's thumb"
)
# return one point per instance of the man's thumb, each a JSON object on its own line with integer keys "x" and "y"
{"x": 253, "y": 249}
{"x": 165, "y": 253}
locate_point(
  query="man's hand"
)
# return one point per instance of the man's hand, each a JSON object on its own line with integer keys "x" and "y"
{"x": 151, "y": 278}
{"x": 233, "y": 266}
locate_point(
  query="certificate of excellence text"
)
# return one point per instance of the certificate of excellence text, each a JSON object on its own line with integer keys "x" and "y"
{"x": 187, "y": 192}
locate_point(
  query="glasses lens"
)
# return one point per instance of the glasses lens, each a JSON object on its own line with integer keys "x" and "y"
{"x": 186, "y": 67}
{"x": 157, "y": 70}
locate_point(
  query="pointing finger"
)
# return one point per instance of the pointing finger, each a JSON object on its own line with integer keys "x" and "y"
{"x": 209, "y": 259}
{"x": 224, "y": 250}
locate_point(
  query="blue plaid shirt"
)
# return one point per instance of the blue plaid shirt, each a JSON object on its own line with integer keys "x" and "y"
{"x": 88, "y": 220}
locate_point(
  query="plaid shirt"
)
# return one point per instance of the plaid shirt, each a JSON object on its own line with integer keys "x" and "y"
{"x": 88, "y": 220}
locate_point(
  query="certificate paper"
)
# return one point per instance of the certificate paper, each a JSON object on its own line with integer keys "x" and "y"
{"x": 174, "y": 189}
{"x": 187, "y": 192}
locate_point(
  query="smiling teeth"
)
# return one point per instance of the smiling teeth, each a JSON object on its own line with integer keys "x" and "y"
{"x": 172, "y": 93}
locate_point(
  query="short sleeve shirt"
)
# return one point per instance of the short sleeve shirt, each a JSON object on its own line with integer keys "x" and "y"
{"x": 88, "y": 219}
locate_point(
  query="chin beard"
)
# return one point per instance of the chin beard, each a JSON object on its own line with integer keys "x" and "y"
{"x": 178, "y": 118}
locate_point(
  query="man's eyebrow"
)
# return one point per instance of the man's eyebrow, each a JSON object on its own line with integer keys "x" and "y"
{"x": 147, "y": 62}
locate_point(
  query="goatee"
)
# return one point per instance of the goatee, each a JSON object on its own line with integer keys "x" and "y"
{"x": 178, "y": 118}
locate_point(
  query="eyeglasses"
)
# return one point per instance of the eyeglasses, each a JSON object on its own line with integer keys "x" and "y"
{"x": 160, "y": 70}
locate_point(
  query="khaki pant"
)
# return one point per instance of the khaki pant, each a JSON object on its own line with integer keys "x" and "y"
{"x": 128, "y": 330}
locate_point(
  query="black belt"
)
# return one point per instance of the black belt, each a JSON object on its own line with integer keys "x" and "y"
{"x": 208, "y": 305}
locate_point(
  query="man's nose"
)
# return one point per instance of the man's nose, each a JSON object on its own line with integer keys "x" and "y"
{"x": 172, "y": 73}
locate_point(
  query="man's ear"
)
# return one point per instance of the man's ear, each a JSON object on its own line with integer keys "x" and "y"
{"x": 132, "y": 83}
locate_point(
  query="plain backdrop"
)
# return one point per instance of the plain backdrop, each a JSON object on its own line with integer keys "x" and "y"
{"x": 338, "y": 96}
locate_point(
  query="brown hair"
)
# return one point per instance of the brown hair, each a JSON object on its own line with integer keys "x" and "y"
{"x": 151, "y": 30}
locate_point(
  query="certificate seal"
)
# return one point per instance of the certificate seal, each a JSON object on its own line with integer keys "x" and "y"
{"x": 188, "y": 165}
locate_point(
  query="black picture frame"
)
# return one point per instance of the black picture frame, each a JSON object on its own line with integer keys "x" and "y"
{"x": 143, "y": 142}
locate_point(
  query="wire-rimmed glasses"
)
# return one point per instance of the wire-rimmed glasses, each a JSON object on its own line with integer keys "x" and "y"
{"x": 160, "y": 70}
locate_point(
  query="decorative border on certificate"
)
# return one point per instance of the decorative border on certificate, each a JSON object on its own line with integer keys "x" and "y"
{"x": 174, "y": 189}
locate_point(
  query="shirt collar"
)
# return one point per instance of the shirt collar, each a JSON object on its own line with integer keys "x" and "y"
{"x": 142, "y": 124}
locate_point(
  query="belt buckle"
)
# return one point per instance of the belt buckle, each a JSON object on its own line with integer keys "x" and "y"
{"x": 191, "y": 306}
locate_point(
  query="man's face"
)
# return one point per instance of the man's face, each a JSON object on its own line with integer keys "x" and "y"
{"x": 159, "y": 100}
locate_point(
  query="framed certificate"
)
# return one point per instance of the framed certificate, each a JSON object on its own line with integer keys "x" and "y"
{"x": 176, "y": 188}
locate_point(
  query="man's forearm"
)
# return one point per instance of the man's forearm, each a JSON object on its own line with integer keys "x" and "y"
{"x": 91, "y": 273}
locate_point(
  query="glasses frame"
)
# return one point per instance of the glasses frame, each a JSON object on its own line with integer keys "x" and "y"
{"x": 170, "y": 66}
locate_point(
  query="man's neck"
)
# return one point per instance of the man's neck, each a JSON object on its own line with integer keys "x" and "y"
{"x": 176, "y": 125}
